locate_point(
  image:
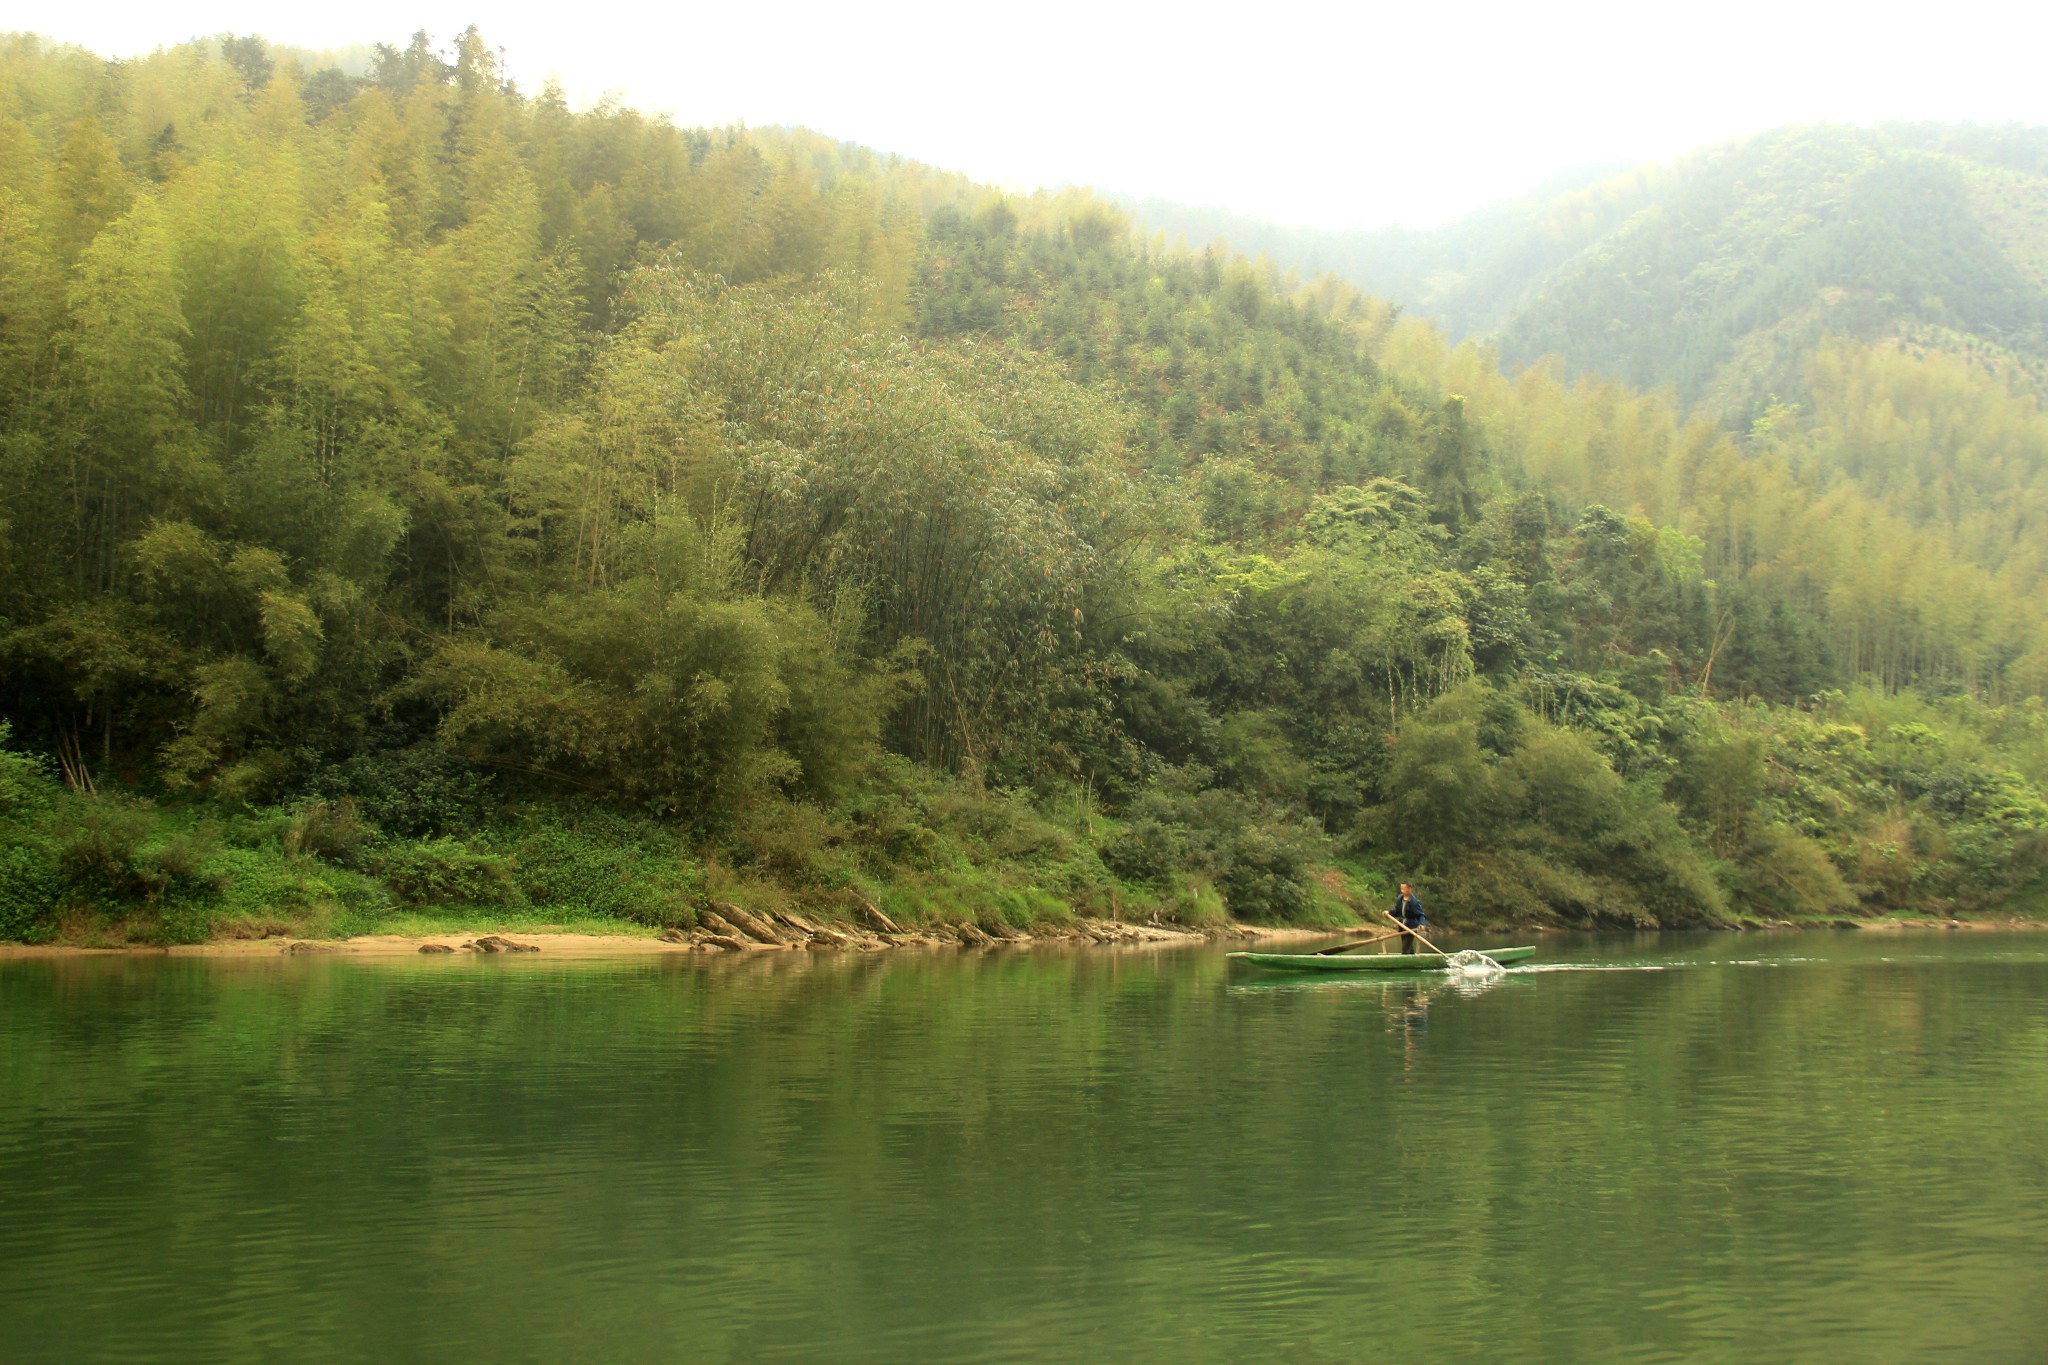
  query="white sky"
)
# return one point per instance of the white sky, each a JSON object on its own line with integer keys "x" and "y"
{"x": 1346, "y": 117}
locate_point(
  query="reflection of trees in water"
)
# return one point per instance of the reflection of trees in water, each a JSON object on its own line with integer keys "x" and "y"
{"x": 796, "y": 1148}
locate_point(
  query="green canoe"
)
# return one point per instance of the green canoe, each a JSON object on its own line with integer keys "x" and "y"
{"x": 1369, "y": 962}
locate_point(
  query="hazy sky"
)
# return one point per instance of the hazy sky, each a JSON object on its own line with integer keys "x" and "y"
{"x": 1334, "y": 117}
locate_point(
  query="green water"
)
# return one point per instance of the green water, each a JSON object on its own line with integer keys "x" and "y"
{"x": 1827, "y": 1146}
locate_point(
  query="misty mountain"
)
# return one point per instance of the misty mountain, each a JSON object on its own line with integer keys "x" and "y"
{"x": 1719, "y": 274}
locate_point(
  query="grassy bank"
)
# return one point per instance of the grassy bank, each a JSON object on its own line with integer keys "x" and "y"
{"x": 415, "y": 844}
{"x": 413, "y": 841}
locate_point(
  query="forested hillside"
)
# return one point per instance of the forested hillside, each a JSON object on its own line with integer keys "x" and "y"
{"x": 415, "y": 493}
{"x": 1721, "y": 273}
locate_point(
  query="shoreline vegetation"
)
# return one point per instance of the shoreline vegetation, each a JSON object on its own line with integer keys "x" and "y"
{"x": 488, "y": 936}
{"x": 947, "y": 862}
{"x": 425, "y": 506}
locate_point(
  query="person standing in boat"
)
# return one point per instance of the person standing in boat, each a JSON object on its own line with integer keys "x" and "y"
{"x": 1408, "y": 914}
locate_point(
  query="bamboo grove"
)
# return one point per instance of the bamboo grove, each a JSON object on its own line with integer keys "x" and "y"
{"x": 418, "y": 494}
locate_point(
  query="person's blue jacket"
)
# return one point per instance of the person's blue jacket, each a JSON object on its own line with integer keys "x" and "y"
{"x": 1408, "y": 910}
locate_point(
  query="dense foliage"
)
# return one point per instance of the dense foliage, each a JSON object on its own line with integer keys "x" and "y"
{"x": 414, "y": 494}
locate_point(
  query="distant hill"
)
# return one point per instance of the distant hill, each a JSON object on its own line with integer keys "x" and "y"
{"x": 1470, "y": 275}
{"x": 1719, "y": 274}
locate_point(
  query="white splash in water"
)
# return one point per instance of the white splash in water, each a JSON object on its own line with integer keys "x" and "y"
{"x": 1473, "y": 963}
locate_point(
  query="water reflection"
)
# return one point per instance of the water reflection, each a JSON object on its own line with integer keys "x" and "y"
{"x": 1004, "y": 1156}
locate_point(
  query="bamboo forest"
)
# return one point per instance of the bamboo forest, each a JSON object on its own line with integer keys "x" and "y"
{"x": 420, "y": 497}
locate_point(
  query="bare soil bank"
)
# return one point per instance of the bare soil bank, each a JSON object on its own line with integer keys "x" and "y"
{"x": 729, "y": 930}
{"x": 761, "y": 934}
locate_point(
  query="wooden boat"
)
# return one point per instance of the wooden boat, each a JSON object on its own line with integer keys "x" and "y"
{"x": 1370, "y": 962}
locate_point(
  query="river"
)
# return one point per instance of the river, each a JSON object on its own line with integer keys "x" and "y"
{"x": 1786, "y": 1146}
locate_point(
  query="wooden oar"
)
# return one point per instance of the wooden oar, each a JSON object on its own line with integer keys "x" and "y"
{"x": 1347, "y": 947}
{"x": 1418, "y": 936}
{"x": 1425, "y": 942}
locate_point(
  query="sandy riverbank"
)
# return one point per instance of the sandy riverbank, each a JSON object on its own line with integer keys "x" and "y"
{"x": 1080, "y": 933}
{"x": 1085, "y": 933}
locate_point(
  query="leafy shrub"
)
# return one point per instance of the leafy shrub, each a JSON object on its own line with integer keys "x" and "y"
{"x": 414, "y": 793}
{"x": 446, "y": 872}
{"x": 1446, "y": 796}
{"x": 1267, "y": 877}
{"x": 562, "y": 869}
{"x": 1653, "y": 864}
{"x": 29, "y": 883}
{"x": 661, "y": 691}
{"x": 893, "y": 836}
{"x": 1898, "y": 852}
{"x": 1347, "y": 767}
{"x": 263, "y": 827}
{"x": 1080, "y": 876}
{"x": 25, "y": 782}
{"x": 1184, "y": 829}
{"x": 333, "y": 830}
{"x": 1195, "y": 903}
{"x": 1147, "y": 852}
{"x": 264, "y": 884}
{"x": 998, "y": 824}
{"x": 1514, "y": 818}
{"x": 952, "y": 894}
{"x": 100, "y": 845}
{"x": 1788, "y": 874}
{"x": 1020, "y": 907}
{"x": 179, "y": 859}
{"x": 184, "y": 920}
{"x": 796, "y": 842}
{"x": 891, "y": 822}
{"x": 119, "y": 855}
{"x": 1512, "y": 886}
